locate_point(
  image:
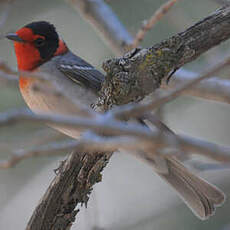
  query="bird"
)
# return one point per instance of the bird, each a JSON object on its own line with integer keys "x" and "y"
{"x": 39, "y": 48}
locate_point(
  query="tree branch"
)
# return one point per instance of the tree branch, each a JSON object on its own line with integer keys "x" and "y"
{"x": 53, "y": 148}
{"x": 140, "y": 72}
{"x": 213, "y": 88}
{"x": 103, "y": 19}
{"x": 107, "y": 125}
{"x": 138, "y": 110}
{"x": 71, "y": 186}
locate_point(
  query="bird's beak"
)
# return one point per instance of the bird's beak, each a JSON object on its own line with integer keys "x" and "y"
{"x": 14, "y": 37}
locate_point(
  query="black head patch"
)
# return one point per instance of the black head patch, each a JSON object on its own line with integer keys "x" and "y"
{"x": 47, "y": 46}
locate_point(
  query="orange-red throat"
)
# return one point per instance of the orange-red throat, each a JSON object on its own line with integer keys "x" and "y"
{"x": 28, "y": 59}
{"x": 28, "y": 56}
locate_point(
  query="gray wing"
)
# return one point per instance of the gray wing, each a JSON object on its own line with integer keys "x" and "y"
{"x": 80, "y": 71}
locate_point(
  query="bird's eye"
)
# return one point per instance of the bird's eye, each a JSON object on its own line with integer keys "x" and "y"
{"x": 39, "y": 42}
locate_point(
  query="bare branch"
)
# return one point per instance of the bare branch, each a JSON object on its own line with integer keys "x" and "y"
{"x": 7, "y": 70}
{"x": 214, "y": 88}
{"x": 101, "y": 124}
{"x": 103, "y": 19}
{"x": 206, "y": 89}
{"x": 201, "y": 166}
{"x": 7, "y": 75}
{"x": 53, "y": 148}
{"x": 140, "y": 72}
{"x": 106, "y": 125}
{"x": 208, "y": 149}
{"x": 149, "y": 24}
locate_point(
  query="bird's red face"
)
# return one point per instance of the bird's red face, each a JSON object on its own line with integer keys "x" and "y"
{"x": 36, "y": 43}
{"x": 27, "y": 53}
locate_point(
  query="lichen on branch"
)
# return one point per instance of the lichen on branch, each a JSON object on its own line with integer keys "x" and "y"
{"x": 140, "y": 72}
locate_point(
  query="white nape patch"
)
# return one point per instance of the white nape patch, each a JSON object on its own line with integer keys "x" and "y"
{"x": 77, "y": 67}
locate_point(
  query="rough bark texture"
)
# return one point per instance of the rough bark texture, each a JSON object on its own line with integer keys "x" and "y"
{"x": 129, "y": 78}
{"x": 138, "y": 73}
{"x": 72, "y": 186}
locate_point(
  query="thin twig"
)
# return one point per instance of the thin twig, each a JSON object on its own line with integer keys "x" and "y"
{"x": 149, "y": 24}
{"x": 91, "y": 142}
{"x": 35, "y": 138}
{"x": 7, "y": 75}
{"x": 213, "y": 88}
{"x": 201, "y": 166}
{"x": 53, "y": 148}
{"x": 101, "y": 124}
{"x": 6, "y": 69}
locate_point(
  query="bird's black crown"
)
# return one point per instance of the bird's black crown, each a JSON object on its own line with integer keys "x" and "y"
{"x": 49, "y": 45}
{"x": 43, "y": 28}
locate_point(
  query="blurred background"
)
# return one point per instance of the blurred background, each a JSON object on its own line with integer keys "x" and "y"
{"x": 130, "y": 195}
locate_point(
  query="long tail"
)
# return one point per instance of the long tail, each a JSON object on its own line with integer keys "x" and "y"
{"x": 200, "y": 196}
